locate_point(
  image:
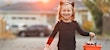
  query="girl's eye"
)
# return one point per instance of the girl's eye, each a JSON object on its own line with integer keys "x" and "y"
{"x": 68, "y": 10}
{"x": 64, "y": 10}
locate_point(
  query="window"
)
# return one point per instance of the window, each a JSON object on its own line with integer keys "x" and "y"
{"x": 84, "y": 17}
{"x": 20, "y": 17}
{"x": 25, "y": 18}
{"x": 13, "y": 17}
{"x": 33, "y": 18}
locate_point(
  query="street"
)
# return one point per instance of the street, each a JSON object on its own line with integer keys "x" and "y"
{"x": 38, "y": 43}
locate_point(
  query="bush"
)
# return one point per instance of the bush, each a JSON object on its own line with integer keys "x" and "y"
{"x": 7, "y": 35}
{"x": 88, "y": 26}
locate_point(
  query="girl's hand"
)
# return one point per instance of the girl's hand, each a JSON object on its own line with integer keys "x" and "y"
{"x": 91, "y": 34}
{"x": 47, "y": 47}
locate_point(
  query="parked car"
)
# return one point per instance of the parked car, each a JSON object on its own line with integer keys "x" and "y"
{"x": 36, "y": 30}
{"x": 15, "y": 29}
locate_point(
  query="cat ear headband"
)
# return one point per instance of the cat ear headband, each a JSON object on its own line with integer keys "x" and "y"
{"x": 66, "y": 2}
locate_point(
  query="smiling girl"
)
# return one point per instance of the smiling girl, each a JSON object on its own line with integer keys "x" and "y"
{"x": 66, "y": 26}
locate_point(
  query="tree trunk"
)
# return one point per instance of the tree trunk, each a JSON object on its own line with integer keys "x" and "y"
{"x": 106, "y": 23}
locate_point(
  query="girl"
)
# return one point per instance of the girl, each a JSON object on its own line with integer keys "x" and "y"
{"x": 66, "y": 26}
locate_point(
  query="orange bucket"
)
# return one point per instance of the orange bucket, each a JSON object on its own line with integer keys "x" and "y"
{"x": 92, "y": 47}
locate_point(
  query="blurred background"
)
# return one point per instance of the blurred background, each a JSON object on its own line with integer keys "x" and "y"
{"x": 27, "y": 24}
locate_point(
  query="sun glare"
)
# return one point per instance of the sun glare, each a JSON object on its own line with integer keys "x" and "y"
{"x": 45, "y": 1}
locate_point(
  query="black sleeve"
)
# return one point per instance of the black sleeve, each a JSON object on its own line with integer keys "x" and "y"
{"x": 81, "y": 31}
{"x": 54, "y": 32}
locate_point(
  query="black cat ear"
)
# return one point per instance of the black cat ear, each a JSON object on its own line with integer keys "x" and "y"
{"x": 72, "y": 4}
{"x": 61, "y": 2}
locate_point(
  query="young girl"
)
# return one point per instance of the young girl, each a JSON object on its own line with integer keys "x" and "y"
{"x": 66, "y": 26}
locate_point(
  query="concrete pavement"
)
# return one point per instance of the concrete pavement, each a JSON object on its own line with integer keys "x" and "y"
{"x": 38, "y": 43}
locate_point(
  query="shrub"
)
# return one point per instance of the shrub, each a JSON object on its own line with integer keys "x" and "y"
{"x": 88, "y": 26}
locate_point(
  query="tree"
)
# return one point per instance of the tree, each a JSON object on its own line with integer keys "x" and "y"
{"x": 100, "y": 10}
{"x": 97, "y": 14}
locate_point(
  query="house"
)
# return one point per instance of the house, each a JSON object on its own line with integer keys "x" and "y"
{"x": 29, "y": 13}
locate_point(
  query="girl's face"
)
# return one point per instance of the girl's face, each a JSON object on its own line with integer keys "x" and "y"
{"x": 66, "y": 11}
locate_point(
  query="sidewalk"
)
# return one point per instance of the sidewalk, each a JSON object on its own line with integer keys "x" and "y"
{"x": 103, "y": 37}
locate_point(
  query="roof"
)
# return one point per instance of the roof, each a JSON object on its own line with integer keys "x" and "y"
{"x": 33, "y": 7}
{"x": 25, "y": 6}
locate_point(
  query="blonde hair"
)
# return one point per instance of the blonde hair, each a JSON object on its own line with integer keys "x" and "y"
{"x": 60, "y": 7}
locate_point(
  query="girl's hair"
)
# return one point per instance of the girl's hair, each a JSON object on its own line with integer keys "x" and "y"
{"x": 61, "y": 3}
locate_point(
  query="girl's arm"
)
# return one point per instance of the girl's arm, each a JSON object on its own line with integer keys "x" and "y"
{"x": 82, "y": 32}
{"x": 53, "y": 34}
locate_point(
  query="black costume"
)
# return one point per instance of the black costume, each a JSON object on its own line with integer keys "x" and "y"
{"x": 66, "y": 35}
